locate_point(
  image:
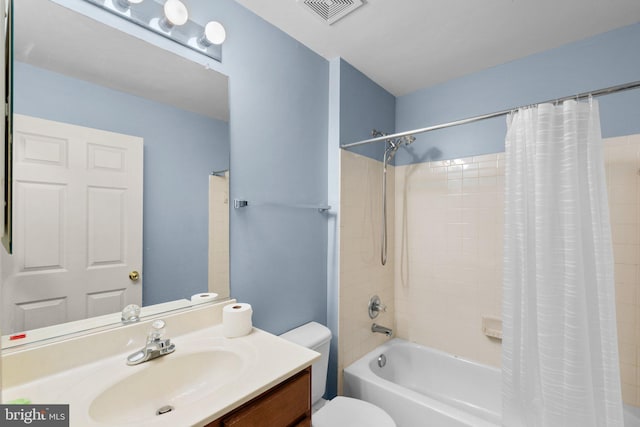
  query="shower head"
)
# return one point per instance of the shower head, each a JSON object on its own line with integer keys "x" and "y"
{"x": 406, "y": 139}
{"x": 394, "y": 145}
{"x": 391, "y": 149}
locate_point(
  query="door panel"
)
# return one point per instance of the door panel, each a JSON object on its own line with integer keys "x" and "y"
{"x": 99, "y": 303}
{"x": 105, "y": 220}
{"x": 40, "y": 149}
{"x": 36, "y": 314}
{"x": 41, "y": 225}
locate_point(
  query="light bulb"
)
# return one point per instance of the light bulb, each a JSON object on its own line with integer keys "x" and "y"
{"x": 214, "y": 33}
{"x": 175, "y": 12}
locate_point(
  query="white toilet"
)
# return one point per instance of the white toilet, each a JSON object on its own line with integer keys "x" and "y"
{"x": 340, "y": 411}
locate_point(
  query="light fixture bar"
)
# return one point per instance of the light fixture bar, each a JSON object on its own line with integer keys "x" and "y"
{"x": 150, "y": 14}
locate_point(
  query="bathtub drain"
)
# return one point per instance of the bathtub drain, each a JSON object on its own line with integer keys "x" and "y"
{"x": 164, "y": 410}
{"x": 382, "y": 360}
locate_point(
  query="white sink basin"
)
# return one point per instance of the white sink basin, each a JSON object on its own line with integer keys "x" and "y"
{"x": 168, "y": 382}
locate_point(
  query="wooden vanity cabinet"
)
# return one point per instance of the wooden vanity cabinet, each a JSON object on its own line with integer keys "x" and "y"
{"x": 286, "y": 405}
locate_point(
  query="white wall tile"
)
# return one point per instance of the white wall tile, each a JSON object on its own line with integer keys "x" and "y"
{"x": 447, "y": 298}
{"x": 622, "y": 166}
{"x": 361, "y": 273}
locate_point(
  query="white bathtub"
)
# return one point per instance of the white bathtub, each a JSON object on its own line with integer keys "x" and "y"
{"x": 420, "y": 386}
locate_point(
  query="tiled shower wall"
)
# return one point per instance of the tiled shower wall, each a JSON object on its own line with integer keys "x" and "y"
{"x": 361, "y": 273}
{"x": 448, "y": 254}
{"x": 622, "y": 157}
{"x": 449, "y": 218}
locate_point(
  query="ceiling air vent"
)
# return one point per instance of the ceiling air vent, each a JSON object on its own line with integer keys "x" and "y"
{"x": 331, "y": 10}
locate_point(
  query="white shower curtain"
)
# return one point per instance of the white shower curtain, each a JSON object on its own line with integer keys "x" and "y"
{"x": 560, "y": 349}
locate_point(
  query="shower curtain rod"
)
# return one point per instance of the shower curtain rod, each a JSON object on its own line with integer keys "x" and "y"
{"x": 599, "y": 92}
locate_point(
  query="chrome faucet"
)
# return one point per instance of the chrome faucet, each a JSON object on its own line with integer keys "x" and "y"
{"x": 381, "y": 329}
{"x": 155, "y": 347}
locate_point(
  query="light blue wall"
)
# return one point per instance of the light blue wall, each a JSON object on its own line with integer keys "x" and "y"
{"x": 364, "y": 106}
{"x": 180, "y": 150}
{"x": 279, "y": 107}
{"x": 605, "y": 60}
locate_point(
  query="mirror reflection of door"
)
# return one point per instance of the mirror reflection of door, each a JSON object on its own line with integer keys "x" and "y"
{"x": 78, "y": 224}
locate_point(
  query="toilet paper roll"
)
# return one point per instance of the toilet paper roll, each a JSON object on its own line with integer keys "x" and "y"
{"x": 203, "y": 297}
{"x": 236, "y": 320}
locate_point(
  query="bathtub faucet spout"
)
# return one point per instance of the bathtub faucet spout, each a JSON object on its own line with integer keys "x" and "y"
{"x": 381, "y": 329}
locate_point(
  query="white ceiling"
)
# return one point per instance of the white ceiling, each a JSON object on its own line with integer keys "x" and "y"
{"x": 406, "y": 45}
{"x": 53, "y": 37}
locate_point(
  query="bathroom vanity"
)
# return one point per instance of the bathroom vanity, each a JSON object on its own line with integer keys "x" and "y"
{"x": 209, "y": 380}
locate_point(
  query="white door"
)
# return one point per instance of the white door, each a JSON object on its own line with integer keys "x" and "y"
{"x": 77, "y": 224}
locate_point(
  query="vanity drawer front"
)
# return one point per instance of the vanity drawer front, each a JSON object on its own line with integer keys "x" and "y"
{"x": 288, "y": 404}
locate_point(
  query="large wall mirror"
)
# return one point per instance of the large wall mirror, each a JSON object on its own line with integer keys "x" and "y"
{"x": 120, "y": 175}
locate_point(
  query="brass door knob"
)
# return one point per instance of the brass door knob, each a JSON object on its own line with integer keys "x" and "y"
{"x": 134, "y": 276}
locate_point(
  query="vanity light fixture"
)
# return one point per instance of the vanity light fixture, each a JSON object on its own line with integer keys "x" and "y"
{"x": 169, "y": 19}
{"x": 214, "y": 33}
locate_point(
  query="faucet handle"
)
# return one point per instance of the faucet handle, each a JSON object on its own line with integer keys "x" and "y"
{"x": 158, "y": 329}
{"x": 376, "y": 306}
{"x": 130, "y": 314}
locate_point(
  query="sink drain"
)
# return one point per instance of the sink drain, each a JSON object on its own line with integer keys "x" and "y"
{"x": 164, "y": 410}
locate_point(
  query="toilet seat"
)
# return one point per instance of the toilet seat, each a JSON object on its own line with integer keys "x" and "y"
{"x": 349, "y": 412}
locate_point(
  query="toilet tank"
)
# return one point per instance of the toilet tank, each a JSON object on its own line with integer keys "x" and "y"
{"x": 317, "y": 337}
